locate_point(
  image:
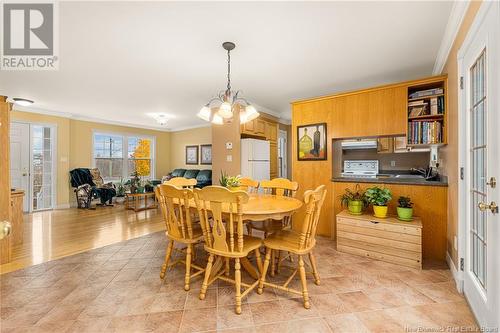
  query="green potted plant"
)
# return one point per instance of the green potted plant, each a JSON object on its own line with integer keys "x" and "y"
{"x": 354, "y": 200}
{"x": 405, "y": 209}
{"x": 229, "y": 182}
{"x": 378, "y": 197}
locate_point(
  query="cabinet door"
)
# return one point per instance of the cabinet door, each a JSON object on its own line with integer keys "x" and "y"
{"x": 249, "y": 127}
{"x": 271, "y": 131}
{"x": 273, "y": 167}
{"x": 400, "y": 144}
{"x": 260, "y": 126}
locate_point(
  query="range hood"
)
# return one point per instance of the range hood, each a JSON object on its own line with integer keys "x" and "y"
{"x": 359, "y": 144}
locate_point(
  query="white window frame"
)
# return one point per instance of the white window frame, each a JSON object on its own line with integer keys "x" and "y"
{"x": 125, "y": 136}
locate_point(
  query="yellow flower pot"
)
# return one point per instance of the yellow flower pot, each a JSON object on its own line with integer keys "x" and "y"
{"x": 380, "y": 211}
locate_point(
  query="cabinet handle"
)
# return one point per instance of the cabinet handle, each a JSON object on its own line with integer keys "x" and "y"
{"x": 374, "y": 222}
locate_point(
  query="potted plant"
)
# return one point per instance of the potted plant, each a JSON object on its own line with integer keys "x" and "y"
{"x": 378, "y": 197}
{"x": 405, "y": 209}
{"x": 229, "y": 182}
{"x": 354, "y": 200}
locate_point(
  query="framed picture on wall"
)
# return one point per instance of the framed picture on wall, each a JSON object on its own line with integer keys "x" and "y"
{"x": 206, "y": 154}
{"x": 311, "y": 142}
{"x": 191, "y": 154}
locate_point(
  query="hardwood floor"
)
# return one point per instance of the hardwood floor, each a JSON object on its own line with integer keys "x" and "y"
{"x": 54, "y": 234}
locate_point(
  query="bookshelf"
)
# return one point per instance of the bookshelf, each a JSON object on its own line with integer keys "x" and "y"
{"x": 426, "y": 113}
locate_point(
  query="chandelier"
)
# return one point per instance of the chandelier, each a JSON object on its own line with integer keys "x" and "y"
{"x": 222, "y": 107}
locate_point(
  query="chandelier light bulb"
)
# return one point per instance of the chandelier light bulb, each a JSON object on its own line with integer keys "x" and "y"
{"x": 205, "y": 113}
{"x": 225, "y": 110}
{"x": 243, "y": 116}
{"x": 217, "y": 120}
{"x": 251, "y": 112}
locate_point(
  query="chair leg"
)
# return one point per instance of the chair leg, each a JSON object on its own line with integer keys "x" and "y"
{"x": 273, "y": 263}
{"x": 237, "y": 279}
{"x": 208, "y": 270}
{"x": 168, "y": 253}
{"x": 312, "y": 259}
{"x": 227, "y": 268}
{"x": 264, "y": 271}
{"x": 258, "y": 260}
{"x": 279, "y": 262}
{"x": 187, "y": 277}
{"x": 305, "y": 294}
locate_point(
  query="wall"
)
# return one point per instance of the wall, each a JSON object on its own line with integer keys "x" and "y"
{"x": 229, "y": 132}
{"x": 449, "y": 153}
{"x": 179, "y": 140}
{"x": 74, "y": 147}
{"x": 63, "y": 149}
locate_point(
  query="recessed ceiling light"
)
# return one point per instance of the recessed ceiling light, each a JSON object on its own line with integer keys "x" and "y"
{"x": 23, "y": 101}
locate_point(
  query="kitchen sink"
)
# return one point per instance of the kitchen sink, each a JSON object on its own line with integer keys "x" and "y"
{"x": 409, "y": 176}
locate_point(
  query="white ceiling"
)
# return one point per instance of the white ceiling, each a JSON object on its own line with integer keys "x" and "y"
{"x": 122, "y": 60}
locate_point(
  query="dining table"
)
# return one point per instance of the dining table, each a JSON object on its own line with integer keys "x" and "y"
{"x": 261, "y": 207}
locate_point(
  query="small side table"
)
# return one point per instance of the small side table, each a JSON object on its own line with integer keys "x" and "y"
{"x": 136, "y": 199}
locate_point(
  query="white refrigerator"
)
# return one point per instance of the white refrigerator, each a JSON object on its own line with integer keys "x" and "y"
{"x": 255, "y": 159}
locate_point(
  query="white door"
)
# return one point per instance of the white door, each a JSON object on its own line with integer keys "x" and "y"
{"x": 20, "y": 159}
{"x": 43, "y": 167}
{"x": 480, "y": 71}
{"x": 282, "y": 157}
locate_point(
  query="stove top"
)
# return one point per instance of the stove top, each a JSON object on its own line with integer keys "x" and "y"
{"x": 360, "y": 168}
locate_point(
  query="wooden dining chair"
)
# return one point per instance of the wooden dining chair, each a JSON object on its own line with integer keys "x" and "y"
{"x": 224, "y": 238}
{"x": 174, "y": 203}
{"x": 280, "y": 187}
{"x": 182, "y": 182}
{"x": 300, "y": 243}
{"x": 249, "y": 185}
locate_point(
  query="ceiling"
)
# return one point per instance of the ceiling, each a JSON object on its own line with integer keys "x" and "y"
{"x": 120, "y": 61}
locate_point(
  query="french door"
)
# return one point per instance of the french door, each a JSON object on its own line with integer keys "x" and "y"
{"x": 481, "y": 114}
{"x": 32, "y": 164}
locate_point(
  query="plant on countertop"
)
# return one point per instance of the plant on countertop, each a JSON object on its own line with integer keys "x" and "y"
{"x": 355, "y": 200}
{"x": 229, "y": 182}
{"x": 405, "y": 209}
{"x": 378, "y": 197}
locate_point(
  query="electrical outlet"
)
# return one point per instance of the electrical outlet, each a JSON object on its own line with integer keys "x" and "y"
{"x": 229, "y": 158}
{"x": 393, "y": 163}
{"x": 229, "y": 145}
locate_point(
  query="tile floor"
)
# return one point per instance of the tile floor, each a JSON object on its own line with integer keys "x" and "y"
{"x": 117, "y": 289}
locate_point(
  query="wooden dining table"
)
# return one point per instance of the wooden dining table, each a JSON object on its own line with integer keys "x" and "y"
{"x": 260, "y": 207}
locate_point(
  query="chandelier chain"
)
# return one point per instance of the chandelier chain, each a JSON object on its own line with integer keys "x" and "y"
{"x": 228, "y": 70}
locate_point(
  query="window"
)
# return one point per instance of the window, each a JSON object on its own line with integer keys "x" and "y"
{"x": 118, "y": 156}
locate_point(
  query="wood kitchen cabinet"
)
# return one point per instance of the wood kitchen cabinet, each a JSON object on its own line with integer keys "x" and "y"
{"x": 385, "y": 145}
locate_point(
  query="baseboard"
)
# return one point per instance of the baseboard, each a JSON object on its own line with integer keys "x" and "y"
{"x": 63, "y": 206}
{"x": 457, "y": 275}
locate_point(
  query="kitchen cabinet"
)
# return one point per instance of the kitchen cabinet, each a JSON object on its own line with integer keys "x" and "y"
{"x": 385, "y": 145}
{"x": 400, "y": 146}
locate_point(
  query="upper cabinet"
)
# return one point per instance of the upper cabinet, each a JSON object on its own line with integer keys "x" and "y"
{"x": 382, "y": 111}
{"x": 371, "y": 113}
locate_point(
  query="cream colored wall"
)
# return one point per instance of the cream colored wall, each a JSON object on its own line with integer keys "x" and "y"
{"x": 449, "y": 153}
{"x": 179, "y": 140}
{"x": 62, "y": 147}
{"x": 74, "y": 147}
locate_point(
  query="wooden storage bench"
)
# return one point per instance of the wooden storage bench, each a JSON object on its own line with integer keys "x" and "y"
{"x": 386, "y": 239}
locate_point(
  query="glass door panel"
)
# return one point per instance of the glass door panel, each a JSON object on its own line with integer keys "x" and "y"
{"x": 42, "y": 167}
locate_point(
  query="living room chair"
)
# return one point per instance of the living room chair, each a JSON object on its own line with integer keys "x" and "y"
{"x": 300, "y": 243}
{"x": 225, "y": 241}
{"x": 174, "y": 203}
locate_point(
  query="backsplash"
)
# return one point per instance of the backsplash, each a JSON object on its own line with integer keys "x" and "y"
{"x": 404, "y": 161}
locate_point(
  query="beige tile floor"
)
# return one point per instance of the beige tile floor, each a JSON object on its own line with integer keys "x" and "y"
{"x": 117, "y": 289}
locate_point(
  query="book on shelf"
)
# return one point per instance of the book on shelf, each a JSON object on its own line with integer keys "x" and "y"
{"x": 425, "y": 132}
{"x": 424, "y": 93}
{"x": 417, "y": 108}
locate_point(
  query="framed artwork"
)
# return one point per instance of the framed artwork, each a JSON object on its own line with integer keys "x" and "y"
{"x": 206, "y": 154}
{"x": 191, "y": 154}
{"x": 311, "y": 142}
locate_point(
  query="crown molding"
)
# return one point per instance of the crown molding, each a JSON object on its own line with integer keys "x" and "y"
{"x": 455, "y": 19}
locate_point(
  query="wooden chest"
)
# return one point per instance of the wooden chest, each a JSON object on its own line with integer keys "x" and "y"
{"x": 386, "y": 239}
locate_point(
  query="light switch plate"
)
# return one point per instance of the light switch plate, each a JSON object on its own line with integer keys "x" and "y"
{"x": 229, "y": 158}
{"x": 229, "y": 145}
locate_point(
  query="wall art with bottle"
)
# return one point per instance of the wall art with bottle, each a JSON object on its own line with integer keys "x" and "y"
{"x": 311, "y": 145}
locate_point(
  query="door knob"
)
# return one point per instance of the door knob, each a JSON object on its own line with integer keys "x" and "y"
{"x": 5, "y": 229}
{"x": 492, "y": 206}
{"x": 492, "y": 182}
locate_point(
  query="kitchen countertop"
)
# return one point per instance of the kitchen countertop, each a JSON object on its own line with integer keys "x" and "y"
{"x": 392, "y": 180}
